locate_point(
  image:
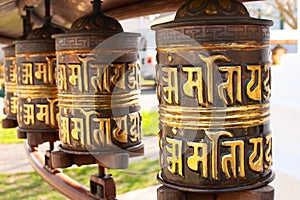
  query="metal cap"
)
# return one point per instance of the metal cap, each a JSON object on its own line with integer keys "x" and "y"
{"x": 212, "y": 9}
{"x": 47, "y": 30}
{"x": 44, "y": 32}
{"x": 96, "y": 21}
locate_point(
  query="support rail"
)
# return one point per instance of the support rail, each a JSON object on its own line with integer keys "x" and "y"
{"x": 56, "y": 178}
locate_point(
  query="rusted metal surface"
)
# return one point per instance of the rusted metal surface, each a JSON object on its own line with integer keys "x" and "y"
{"x": 10, "y": 99}
{"x": 36, "y": 83}
{"x": 214, "y": 88}
{"x": 98, "y": 87}
{"x": 59, "y": 181}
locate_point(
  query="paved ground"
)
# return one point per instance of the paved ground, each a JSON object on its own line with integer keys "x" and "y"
{"x": 13, "y": 157}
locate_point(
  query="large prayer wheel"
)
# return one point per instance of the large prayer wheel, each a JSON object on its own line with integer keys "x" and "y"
{"x": 98, "y": 86}
{"x": 36, "y": 84}
{"x": 213, "y": 78}
{"x": 10, "y": 77}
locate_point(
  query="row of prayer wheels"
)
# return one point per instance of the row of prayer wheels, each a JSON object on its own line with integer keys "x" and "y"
{"x": 213, "y": 87}
{"x": 80, "y": 86}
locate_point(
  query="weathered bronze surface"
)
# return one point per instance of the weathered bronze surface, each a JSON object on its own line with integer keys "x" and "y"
{"x": 98, "y": 86}
{"x": 36, "y": 84}
{"x": 10, "y": 99}
{"x": 2, "y": 76}
{"x": 213, "y": 88}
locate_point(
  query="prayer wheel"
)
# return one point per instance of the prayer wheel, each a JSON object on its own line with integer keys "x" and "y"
{"x": 98, "y": 87}
{"x": 10, "y": 79}
{"x": 10, "y": 99}
{"x": 2, "y": 76}
{"x": 213, "y": 87}
{"x": 36, "y": 84}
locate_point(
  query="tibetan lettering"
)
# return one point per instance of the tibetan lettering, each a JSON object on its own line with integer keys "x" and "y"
{"x": 194, "y": 160}
{"x": 229, "y": 86}
{"x": 188, "y": 87}
{"x": 256, "y": 158}
{"x": 174, "y": 149}
{"x": 27, "y": 74}
{"x": 236, "y": 159}
{"x": 170, "y": 85}
{"x": 254, "y": 86}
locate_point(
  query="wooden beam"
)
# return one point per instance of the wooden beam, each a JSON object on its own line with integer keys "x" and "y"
{"x": 144, "y": 8}
{"x": 148, "y": 7}
{"x": 6, "y": 40}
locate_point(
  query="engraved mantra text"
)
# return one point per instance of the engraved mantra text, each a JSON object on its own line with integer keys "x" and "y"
{"x": 89, "y": 76}
{"x": 230, "y": 90}
{"x": 207, "y": 151}
{"x": 11, "y": 99}
{"x": 38, "y": 71}
{"x": 127, "y": 127}
{"x": 30, "y": 113}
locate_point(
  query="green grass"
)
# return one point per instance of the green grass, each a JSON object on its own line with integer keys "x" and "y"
{"x": 150, "y": 123}
{"x": 26, "y": 186}
{"x": 30, "y": 186}
{"x": 8, "y": 135}
{"x": 147, "y": 82}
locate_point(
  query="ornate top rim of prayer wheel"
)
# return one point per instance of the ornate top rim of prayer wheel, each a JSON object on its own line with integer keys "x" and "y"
{"x": 209, "y": 12}
{"x": 94, "y": 29}
{"x": 9, "y": 51}
{"x": 212, "y": 21}
{"x": 44, "y": 32}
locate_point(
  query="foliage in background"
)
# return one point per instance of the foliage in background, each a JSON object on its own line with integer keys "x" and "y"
{"x": 30, "y": 186}
{"x": 145, "y": 82}
{"x": 8, "y": 135}
{"x": 150, "y": 123}
{"x": 285, "y": 10}
{"x": 139, "y": 175}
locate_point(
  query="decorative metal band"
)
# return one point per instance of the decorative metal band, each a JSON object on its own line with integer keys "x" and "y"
{"x": 37, "y": 91}
{"x": 119, "y": 41}
{"x": 35, "y": 46}
{"x": 78, "y": 42}
{"x": 35, "y": 54}
{"x": 10, "y": 86}
{"x": 100, "y": 50}
{"x": 205, "y": 118}
{"x": 9, "y": 51}
{"x": 216, "y": 47}
{"x": 212, "y": 33}
{"x": 99, "y": 101}
{"x": 10, "y": 58}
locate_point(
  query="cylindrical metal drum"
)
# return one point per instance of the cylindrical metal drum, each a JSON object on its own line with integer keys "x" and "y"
{"x": 37, "y": 89}
{"x": 10, "y": 81}
{"x": 98, "y": 86}
{"x": 10, "y": 99}
{"x": 213, "y": 88}
{"x": 2, "y": 76}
